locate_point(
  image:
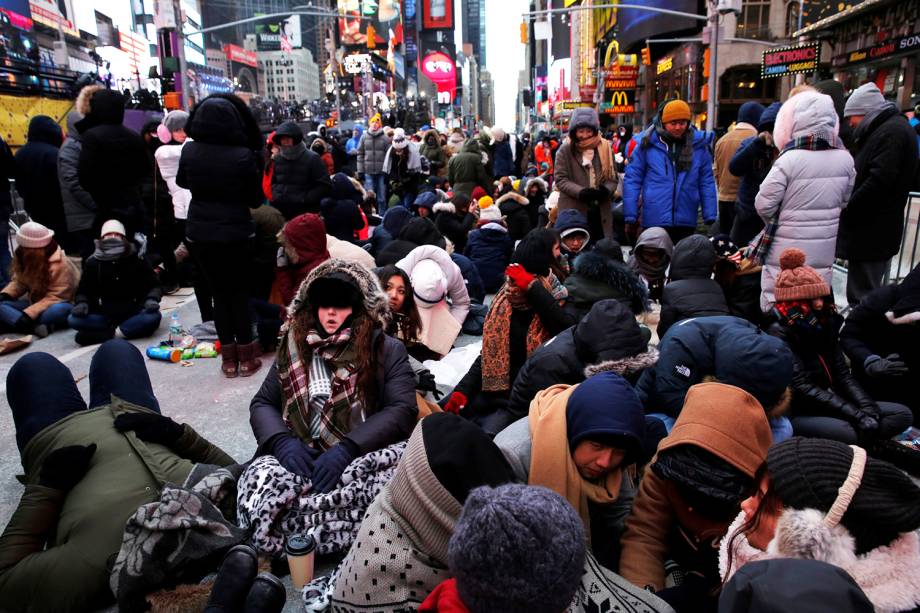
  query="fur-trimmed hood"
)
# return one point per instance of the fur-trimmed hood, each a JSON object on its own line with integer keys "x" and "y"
{"x": 375, "y": 299}
{"x": 543, "y": 185}
{"x": 598, "y": 267}
{"x": 625, "y": 367}
{"x": 444, "y": 207}
{"x": 889, "y": 575}
{"x": 519, "y": 198}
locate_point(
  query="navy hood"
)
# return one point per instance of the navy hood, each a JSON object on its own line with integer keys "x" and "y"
{"x": 609, "y": 331}
{"x": 570, "y": 219}
{"x": 768, "y": 118}
{"x": 605, "y": 408}
{"x": 344, "y": 189}
{"x": 693, "y": 258}
{"x": 425, "y": 200}
{"x": 43, "y": 129}
{"x": 395, "y": 219}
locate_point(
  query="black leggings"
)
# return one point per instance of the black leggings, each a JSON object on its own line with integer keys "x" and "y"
{"x": 225, "y": 267}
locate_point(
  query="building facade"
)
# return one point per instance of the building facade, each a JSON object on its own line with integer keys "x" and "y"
{"x": 289, "y": 76}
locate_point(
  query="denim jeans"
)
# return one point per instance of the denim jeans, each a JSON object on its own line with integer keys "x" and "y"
{"x": 41, "y": 390}
{"x": 140, "y": 325}
{"x": 377, "y": 183}
{"x": 781, "y": 427}
{"x": 55, "y": 315}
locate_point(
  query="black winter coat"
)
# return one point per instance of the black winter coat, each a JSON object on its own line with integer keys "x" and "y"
{"x": 455, "y": 228}
{"x": 886, "y": 167}
{"x": 471, "y": 278}
{"x": 597, "y": 277}
{"x": 340, "y": 211}
{"x": 7, "y": 172}
{"x": 36, "y": 175}
{"x": 299, "y": 184}
{"x": 822, "y": 383}
{"x": 117, "y": 288}
{"x": 692, "y": 292}
{"x": 419, "y": 231}
{"x": 608, "y": 338}
{"x": 490, "y": 248}
{"x": 389, "y": 422}
{"x": 222, "y": 171}
{"x": 159, "y": 214}
{"x": 752, "y": 162}
{"x": 516, "y": 210}
{"x": 869, "y": 332}
{"x": 113, "y": 162}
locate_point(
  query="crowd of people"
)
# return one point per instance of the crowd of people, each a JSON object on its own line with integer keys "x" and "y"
{"x": 667, "y": 413}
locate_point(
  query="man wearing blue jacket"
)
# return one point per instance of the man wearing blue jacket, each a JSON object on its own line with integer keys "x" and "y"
{"x": 670, "y": 173}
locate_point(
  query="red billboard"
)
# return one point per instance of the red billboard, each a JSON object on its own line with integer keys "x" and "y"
{"x": 437, "y": 14}
{"x": 241, "y": 56}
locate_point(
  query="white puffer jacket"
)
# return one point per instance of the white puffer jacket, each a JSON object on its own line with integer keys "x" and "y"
{"x": 810, "y": 189}
{"x": 167, "y": 158}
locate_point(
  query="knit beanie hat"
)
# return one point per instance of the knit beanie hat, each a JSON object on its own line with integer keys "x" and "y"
{"x": 490, "y": 214}
{"x": 796, "y": 281}
{"x": 605, "y": 408}
{"x": 485, "y": 202}
{"x": 675, "y": 110}
{"x": 517, "y": 549}
{"x": 533, "y": 254}
{"x": 336, "y": 290}
{"x": 865, "y": 99}
{"x": 807, "y": 473}
{"x": 399, "y": 139}
{"x": 33, "y": 235}
{"x": 768, "y": 118}
{"x": 478, "y": 193}
{"x": 112, "y": 226}
{"x": 750, "y": 112}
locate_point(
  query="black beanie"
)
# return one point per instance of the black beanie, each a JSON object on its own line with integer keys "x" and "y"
{"x": 335, "y": 290}
{"x": 807, "y": 473}
{"x": 533, "y": 254}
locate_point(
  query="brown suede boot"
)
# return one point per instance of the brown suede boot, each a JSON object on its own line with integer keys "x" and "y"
{"x": 249, "y": 363}
{"x": 230, "y": 361}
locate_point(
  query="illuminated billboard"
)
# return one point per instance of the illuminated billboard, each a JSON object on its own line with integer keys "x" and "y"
{"x": 370, "y": 23}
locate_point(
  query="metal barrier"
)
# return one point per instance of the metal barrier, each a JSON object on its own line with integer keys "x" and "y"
{"x": 908, "y": 253}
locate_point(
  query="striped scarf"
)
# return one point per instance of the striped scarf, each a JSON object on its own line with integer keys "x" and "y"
{"x": 319, "y": 390}
{"x": 812, "y": 142}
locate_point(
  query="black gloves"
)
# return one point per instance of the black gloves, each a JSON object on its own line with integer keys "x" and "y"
{"x": 150, "y": 428}
{"x": 891, "y": 366}
{"x": 4, "y": 297}
{"x": 602, "y": 193}
{"x": 24, "y": 325}
{"x": 588, "y": 195}
{"x": 80, "y": 309}
{"x": 329, "y": 467}
{"x": 64, "y": 467}
{"x": 151, "y": 305}
{"x": 426, "y": 383}
{"x": 295, "y": 455}
{"x": 867, "y": 424}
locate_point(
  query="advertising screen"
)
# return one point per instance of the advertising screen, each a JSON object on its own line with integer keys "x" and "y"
{"x": 381, "y": 23}
{"x": 636, "y": 25}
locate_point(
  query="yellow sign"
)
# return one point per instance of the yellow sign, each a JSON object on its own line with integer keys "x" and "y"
{"x": 568, "y": 3}
{"x": 664, "y": 65}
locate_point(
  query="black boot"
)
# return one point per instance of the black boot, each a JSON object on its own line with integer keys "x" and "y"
{"x": 94, "y": 337}
{"x": 267, "y": 595}
{"x": 237, "y": 572}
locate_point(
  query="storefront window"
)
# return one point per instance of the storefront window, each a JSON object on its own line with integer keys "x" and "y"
{"x": 755, "y": 19}
{"x": 792, "y": 18}
{"x": 746, "y": 84}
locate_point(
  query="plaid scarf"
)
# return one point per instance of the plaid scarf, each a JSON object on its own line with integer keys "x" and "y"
{"x": 812, "y": 142}
{"x": 318, "y": 390}
{"x": 496, "y": 336}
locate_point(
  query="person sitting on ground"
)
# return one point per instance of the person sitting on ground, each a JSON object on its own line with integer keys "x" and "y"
{"x": 882, "y": 339}
{"x": 739, "y": 278}
{"x": 526, "y": 312}
{"x": 424, "y": 203}
{"x": 340, "y": 210}
{"x": 515, "y": 208}
{"x": 454, "y": 219}
{"x": 490, "y": 247}
{"x": 303, "y": 248}
{"x": 574, "y": 236}
{"x": 827, "y": 401}
{"x": 417, "y": 232}
{"x": 466, "y": 170}
{"x": 401, "y": 552}
{"x": 600, "y": 274}
{"x": 650, "y": 259}
{"x": 691, "y": 290}
{"x": 394, "y": 220}
{"x": 340, "y": 387}
{"x": 577, "y": 440}
{"x": 405, "y": 321}
{"x": 86, "y": 473}
{"x": 823, "y": 500}
{"x": 300, "y": 179}
{"x": 117, "y": 289}
{"x": 441, "y": 291}
{"x": 319, "y": 147}
{"x": 38, "y": 298}
{"x": 693, "y": 489}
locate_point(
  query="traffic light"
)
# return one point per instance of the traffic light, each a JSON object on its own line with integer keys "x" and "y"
{"x": 646, "y": 56}
{"x": 524, "y": 32}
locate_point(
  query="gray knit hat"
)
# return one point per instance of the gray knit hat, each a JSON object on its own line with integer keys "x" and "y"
{"x": 517, "y": 548}
{"x": 865, "y": 99}
{"x": 175, "y": 120}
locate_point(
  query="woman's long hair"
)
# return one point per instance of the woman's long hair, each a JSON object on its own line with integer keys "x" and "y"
{"x": 769, "y": 503}
{"x": 406, "y": 325}
{"x": 362, "y": 339}
{"x": 30, "y": 267}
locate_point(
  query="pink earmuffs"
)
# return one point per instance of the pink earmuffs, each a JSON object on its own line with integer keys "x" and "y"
{"x": 164, "y": 134}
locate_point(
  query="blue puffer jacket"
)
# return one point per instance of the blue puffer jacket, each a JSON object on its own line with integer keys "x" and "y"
{"x": 470, "y": 276}
{"x": 490, "y": 250}
{"x": 669, "y": 198}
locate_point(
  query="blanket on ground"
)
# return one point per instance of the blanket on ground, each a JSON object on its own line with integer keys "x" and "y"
{"x": 274, "y": 503}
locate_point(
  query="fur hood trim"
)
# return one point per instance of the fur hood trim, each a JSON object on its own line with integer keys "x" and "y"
{"x": 82, "y": 104}
{"x": 598, "y": 267}
{"x": 889, "y": 575}
{"x": 543, "y": 184}
{"x": 447, "y": 207}
{"x": 520, "y": 199}
{"x": 625, "y": 366}
{"x": 907, "y": 318}
{"x": 376, "y": 302}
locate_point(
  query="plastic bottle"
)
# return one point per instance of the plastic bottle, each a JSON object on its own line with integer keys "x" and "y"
{"x": 175, "y": 329}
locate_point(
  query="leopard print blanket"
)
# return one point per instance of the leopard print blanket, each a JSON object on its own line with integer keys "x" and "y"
{"x": 274, "y": 503}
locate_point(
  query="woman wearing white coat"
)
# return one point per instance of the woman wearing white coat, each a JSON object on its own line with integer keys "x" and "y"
{"x": 172, "y": 134}
{"x": 810, "y": 184}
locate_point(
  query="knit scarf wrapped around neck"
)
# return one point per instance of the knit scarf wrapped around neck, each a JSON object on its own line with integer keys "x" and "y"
{"x": 109, "y": 249}
{"x": 293, "y": 151}
{"x": 331, "y": 366}
{"x": 604, "y": 152}
{"x": 682, "y": 149}
{"x": 496, "y": 336}
{"x": 813, "y": 142}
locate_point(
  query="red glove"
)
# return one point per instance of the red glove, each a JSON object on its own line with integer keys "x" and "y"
{"x": 519, "y": 276}
{"x": 455, "y": 403}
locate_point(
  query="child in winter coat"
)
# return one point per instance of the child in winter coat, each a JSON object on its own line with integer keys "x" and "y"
{"x": 341, "y": 209}
{"x": 691, "y": 291}
{"x": 117, "y": 289}
{"x": 650, "y": 259}
{"x": 574, "y": 236}
{"x": 490, "y": 247}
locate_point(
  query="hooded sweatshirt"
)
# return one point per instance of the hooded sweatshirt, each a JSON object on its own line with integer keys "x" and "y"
{"x": 724, "y": 421}
{"x": 692, "y": 291}
{"x": 653, "y": 275}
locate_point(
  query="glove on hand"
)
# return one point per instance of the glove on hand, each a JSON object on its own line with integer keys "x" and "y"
{"x": 151, "y": 428}
{"x": 65, "y": 467}
{"x": 588, "y": 195}
{"x": 4, "y": 297}
{"x": 867, "y": 424}
{"x": 892, "y": 366}
{"x": 24, "y": 325}
{"x": 295, "y": 455}
{"x": 426, "y": 383}
{"x": 519, "y": 276}
{"x": 602, "y": 192}
{"x": 329, "y": 467}
{"x": 455, "y": 403}
{"x": 151, "y": 306}
{"x": 80, "y": 309}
